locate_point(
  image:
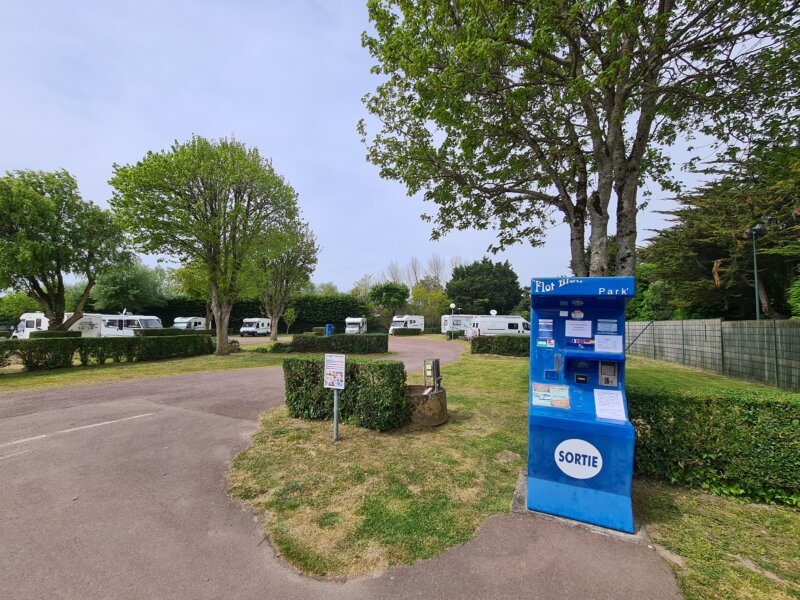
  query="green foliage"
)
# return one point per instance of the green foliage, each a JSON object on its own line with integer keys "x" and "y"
{"x": 55, "y": 334}
{"x": 511, "y": 115}
{"x": 374, "y": 394}
{"x": 429, "y": 300}
{"x": 405, "y": 331}
{"x": 59, "y": 352}
{"x": 13, "y": 304}
{"x": 318, "y": 330}
{"x": 390, "y": 296}
{"x": 48, "y": 231}
{"x": 316, "y": 311}
{"x": 208, "y": 203}
{"x": 128, "y": 286}
{"x": 793, "y": 297}
{"x": 483, "y": 285}
{"x": 289, "y": 317}
{"x": 505, "y": 345}
{"x": 736, "y": 443}
{"x": 365, "y": 343}
{"x": 169, "y": 332}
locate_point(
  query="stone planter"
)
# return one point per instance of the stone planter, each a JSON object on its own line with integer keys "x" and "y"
{"x": 427, "y": 410}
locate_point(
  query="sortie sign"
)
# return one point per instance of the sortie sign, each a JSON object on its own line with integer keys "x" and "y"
{"x": 578, "y": 459}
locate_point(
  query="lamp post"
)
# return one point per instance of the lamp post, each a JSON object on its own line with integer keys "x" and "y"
{"x": 754, "y": 231}
{"x": 452, "y": 311}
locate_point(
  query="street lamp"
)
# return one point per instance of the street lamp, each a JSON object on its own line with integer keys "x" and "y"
{"x": 452, "y": 311}
{"x": 754, "y": 231}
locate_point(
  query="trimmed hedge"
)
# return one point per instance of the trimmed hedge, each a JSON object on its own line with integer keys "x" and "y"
{"x": 5, "y": 334}
{"x": 168, "y": 332}
{"x": 318, "y": 330}
{"x": 732, "y": 443}
{"x": 365, "y": 343}
{"x": 55, "y": 334}
{"x": 374, "y": 395}
{"x": 406, "y": 331}
{"x": 54, "y": 353}
{"x": 505, "y": 345}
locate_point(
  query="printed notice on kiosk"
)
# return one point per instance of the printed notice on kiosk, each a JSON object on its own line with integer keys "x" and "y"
{"x": 608, "y": 404}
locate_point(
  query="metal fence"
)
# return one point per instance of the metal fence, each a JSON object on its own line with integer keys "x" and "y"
{"x": 763, "y": 351}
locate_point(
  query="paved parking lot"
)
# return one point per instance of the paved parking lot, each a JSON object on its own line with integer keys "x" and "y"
{"x": 118, "y": 491}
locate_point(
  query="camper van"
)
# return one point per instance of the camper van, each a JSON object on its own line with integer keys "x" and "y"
{"x": 407, "y": 322}
{"x": 90, "y": 325}
{"x": 189, "y": 323}
{"x": 499, "y": 325}
{"x": 355, "y": 325}
{"x": 255, "y": 326}
{"x": 456, "y": 322}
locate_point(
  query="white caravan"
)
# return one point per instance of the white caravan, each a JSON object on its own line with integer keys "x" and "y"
{"x": 189, "y": 323}
{"x": 456, "y": 322}
{"x": 407, "y": 322}
{"x": 90, "y": 325}
{"x": 355, "y": 325}
{"x": 255, "y": 326}
{"x": 499, "y": 325}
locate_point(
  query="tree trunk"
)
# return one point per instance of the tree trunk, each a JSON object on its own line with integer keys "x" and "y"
{"x": 766, "y": 305}
{"x": 626, "y": 226}
{"x": 577, "y": 244}
{"x": 598, "y": 236}
{"x": 273, "y": 331}
{"x": 222, "y": 314}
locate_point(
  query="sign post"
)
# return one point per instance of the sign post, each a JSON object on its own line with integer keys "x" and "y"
{"x": 333, "y": 378}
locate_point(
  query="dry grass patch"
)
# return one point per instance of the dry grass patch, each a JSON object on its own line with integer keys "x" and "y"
{"x": 379, "y": 499}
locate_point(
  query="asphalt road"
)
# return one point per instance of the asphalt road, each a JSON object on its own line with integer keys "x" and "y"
{"x": 118, "y": 491}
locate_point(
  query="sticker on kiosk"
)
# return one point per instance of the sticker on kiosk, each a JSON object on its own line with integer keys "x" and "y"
{"x": 555, "y": 396}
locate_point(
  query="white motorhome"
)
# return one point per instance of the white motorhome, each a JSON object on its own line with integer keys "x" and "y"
{"x": 499, "y": 325}
{"x": 189, "y": 323}
{"x": 407, "y": 322}
{"x": 456, "y": 322}
{"x": 90, "y": 325}
{"x": 255, "y": 326}
{"x": 355, "y": 325}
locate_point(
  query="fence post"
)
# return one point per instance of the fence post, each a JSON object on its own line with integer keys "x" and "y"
{"x": 653, "y": 341}
{"x": 683, "y": 344}
{"x": 775, "y": 351}
{"x": 722, "y": 344}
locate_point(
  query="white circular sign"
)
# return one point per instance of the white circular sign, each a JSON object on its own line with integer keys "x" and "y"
{"x": 578, "y": 459}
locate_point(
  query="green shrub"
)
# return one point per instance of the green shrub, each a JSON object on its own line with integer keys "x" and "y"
{"x": 5, "y": 354}
{"x": 365, "y": 343}
{"x": 55, "y": 334}
{"x": 406, "y": 331}
{"x": 5, "y": 335}
{"x": 732, "y": 443}
{"x": 505, "y": 345}
{"x": 54, "y": 352}
{"x": 318, "y": 330}
{"x": 169, "y": 332}
{"x": 374, "y": 394}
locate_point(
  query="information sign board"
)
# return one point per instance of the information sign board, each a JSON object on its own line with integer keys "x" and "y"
{"x": 334, "y": 371}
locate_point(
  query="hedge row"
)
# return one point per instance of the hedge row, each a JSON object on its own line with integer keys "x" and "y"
{"x": 54, "y": 334}
{"x": 506, "y": 345}
{"x": 318, "y": 330}
{"x": 365, "y": 343}
{"x": 406, "y": 331}
{"x": 169, "y": 332}
{"x": 54, "y": 353}
{"x": 374, "y": 394}
{"x": 732, "y": 443}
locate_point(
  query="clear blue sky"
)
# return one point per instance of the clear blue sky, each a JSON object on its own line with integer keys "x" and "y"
{"x": 88, "y": 84}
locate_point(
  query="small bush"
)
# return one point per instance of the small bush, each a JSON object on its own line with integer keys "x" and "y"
{"x": 5, "y": 335}
{"x": 365, "y": 343}
{"x": 55, "y": 334}
{"x": 733, "y": 443}
{"x": 505, "y": 345}
{"x": 168, "y": 332}
{"x": 5, "y": 354}
{"x": 318, "y": 331}
{"x": 406, "y": 331}
{"x": 374, "y": 394}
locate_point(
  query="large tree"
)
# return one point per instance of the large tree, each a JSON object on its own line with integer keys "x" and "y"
{"x": 48, "y": 232}
{"x": 207, "y": 202}
{"x": 131, "y": 286}
{"x": 517, "y": 115}
{"x": 282, "y": 264}
{"x": 484, "y": 285}
{"x": 390, "y": 296}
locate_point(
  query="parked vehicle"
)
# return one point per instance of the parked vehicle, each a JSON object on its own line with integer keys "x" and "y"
{"x": 407, "y": 322}
{"x": 355, "y": 325}
{"x": 499, "y": 325}
{"x": 189, "y": 323}
{"x": 90, "y": 325}
{"x": 255, "y": 326}
{"x": 456, "y": 322}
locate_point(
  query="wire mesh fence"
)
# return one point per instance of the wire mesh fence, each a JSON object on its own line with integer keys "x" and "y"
{"x": 763, "y": 351}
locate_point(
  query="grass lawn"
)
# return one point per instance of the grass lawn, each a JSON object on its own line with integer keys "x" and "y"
{"x": 376, "y": 500}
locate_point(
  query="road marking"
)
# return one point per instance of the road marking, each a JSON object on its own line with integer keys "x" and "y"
{"x": 39, "y": 437}
{"x": 15, "y": 454}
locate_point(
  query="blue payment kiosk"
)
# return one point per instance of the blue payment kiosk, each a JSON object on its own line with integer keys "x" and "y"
{"x": 580, "y": 442}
